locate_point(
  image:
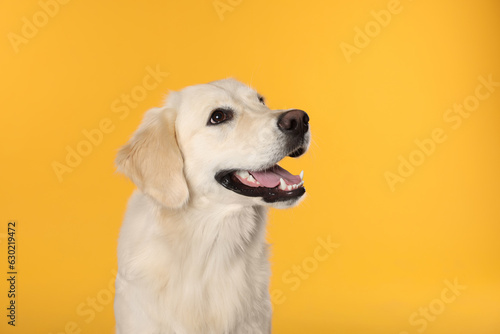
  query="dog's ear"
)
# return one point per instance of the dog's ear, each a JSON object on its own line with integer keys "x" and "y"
{"x": 153, "y": 161}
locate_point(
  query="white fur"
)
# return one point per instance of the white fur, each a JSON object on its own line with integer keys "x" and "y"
{"x": 192, "y": 254}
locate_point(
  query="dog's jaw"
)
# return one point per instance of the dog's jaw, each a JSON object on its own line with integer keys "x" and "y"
{"x": 271, "y": 183}
{"x": 290, "y": 193}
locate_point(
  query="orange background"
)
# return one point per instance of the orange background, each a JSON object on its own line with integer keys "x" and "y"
{"x": 395, "y": 247}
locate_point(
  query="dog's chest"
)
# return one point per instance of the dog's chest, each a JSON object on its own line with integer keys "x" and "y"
{"x": 214, "y": 278}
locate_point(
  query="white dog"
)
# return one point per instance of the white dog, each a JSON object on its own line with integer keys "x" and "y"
{"x": 192, "y": 253}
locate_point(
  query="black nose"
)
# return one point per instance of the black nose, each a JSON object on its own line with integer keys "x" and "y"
{"x": 294, "y": 122}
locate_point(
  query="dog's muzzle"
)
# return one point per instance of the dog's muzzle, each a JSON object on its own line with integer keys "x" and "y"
{"x": 273, "y": 183}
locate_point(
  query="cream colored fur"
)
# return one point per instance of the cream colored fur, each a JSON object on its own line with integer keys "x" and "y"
{"x": 192, "y": 255}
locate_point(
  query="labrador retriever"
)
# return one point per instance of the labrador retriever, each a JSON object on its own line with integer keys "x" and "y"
{"x": 192, "y": 253}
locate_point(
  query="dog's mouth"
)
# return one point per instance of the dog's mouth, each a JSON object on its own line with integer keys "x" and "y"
{"x": 273, "y": 184}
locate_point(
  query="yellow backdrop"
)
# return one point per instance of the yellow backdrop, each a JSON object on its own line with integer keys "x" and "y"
{"x": 399, "y": 232}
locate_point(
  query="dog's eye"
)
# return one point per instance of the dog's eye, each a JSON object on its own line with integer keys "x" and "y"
{"x": 262, "y": 99}
{"x": 220, "y": 115}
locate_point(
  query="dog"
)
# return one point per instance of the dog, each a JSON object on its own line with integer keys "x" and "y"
{"x": 192, "y": 254}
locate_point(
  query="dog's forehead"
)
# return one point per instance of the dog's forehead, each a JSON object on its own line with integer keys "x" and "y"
{"x": 221, "y": 89}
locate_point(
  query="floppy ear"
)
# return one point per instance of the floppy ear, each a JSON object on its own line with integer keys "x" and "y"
{"x": 153, "y": 161}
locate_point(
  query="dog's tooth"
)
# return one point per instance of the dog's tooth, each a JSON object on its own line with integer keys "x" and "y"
{"x": 302, "y": 175}
{"x": 289, "y": 188}
{"x": 282, "y": 184}
{"x": 301, "y": 183}
{"x": 243, "y": 173}
{"x": 251, "y": 178}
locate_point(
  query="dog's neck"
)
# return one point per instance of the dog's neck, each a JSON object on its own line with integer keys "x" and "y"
{"x": 212, "y": 227}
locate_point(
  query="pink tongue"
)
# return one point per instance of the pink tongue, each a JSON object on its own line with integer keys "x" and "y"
{"x": 270, "y": 178}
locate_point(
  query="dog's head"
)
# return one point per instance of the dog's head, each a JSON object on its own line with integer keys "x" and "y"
{"x": 217, "y": 142}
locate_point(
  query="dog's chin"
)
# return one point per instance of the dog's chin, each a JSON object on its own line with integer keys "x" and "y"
{"x": 274, "y": 185}
{"x": 286, "y": 204}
